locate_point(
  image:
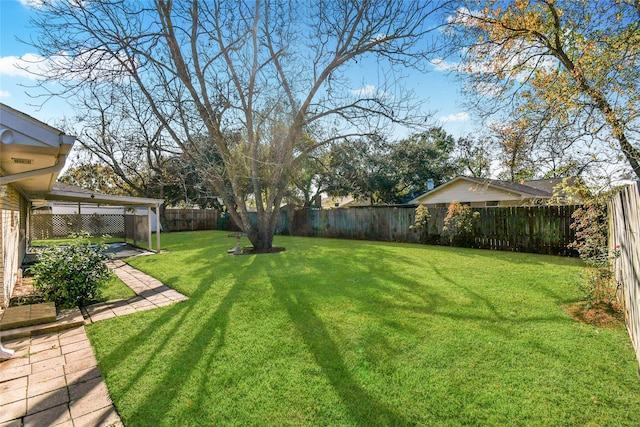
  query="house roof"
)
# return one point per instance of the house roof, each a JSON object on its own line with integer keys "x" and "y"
{"x": 32, "y": 153}
{"x": 522, "y": 188}
{"x": 539, "y": 189}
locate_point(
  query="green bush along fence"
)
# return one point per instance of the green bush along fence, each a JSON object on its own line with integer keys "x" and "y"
{"x": 624, "y": 227}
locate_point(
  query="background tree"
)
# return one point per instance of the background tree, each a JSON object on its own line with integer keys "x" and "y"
{"x": 474, "y": 154}
{"x": 361, "y": 168}
{"x": 118, "y": 133}
{"x": 561, "y": 64}
{"x": 256, "y": 78}
{"x": 391, "y": 172}
{"x": 421, "y": 157}
{"x": 515, "y": 152}
{"x": 311, "y": 179}
{"x": 97, "y": 177}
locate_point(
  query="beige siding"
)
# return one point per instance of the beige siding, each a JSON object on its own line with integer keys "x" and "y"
{"x": 468, "y": 192}
{"x": 12, "y": 238}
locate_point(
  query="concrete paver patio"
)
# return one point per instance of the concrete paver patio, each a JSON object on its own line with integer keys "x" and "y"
{"x": 53, "y": 378}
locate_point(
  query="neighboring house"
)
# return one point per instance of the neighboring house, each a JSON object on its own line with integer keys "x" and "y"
{"x": 32, "y": 154}
{"x": 479, "y": 192}
{"x": 344, "y": 202}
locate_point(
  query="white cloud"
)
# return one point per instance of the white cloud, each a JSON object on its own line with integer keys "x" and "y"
{"x": 370, "y": 91}
{"x": 4, "y": 94}
{"x": 13, "y": 66}
{"x": 440, "y": 64}
{"x": 88, "y": 64}
{"x": 32, "y": 3}
{"x": 455, "y": 117}
{"x": 367, "y": 90}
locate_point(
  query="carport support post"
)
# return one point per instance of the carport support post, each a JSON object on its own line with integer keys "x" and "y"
{"x": 149, "y": 228}
{"x": 158, "y": 228}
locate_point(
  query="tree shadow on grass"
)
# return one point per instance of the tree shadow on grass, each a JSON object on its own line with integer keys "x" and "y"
{"x": 365, "y": 409}
{"x": 203, "y": 325}
{"x": 206, "y": 329}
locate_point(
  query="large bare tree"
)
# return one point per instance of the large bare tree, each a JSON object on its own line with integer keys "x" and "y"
{"x": 245, "y": 88}
{"x": 569, "y": 69}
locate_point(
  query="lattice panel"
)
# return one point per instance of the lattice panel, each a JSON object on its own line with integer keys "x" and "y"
{"x": 56, "y": 226}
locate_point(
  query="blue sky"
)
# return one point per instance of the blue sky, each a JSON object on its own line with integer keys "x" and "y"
{"x": 439, "y": 90}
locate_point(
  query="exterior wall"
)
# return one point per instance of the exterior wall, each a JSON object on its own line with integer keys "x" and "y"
{"x": 13, "y": 209}
{"x": 465, "y": 191}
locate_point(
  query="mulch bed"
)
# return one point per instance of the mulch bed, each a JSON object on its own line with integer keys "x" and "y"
{"x": 24, "y": 293}
{"x": 602, "y": 314}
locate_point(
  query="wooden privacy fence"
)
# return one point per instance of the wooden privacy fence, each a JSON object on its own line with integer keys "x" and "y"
{"x": 536, "y": 229}
{"x": 624, "y": 227}
{"x": 191, "y": 219}
{"x": 368, "y": 223}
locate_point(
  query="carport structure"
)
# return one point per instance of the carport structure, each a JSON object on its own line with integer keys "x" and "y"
{"x": 68, "y": 193}
{"x": 32, "y": 154}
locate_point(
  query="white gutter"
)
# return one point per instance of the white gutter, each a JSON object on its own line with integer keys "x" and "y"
{"x": 30, "y": 174}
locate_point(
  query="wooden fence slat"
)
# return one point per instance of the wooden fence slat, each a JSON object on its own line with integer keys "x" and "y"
{"x": 540, "y": 229}
{"x": 624, "y": 229}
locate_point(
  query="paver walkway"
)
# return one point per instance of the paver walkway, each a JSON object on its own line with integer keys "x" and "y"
{"x": 54, "y": 380}
{"x": 150, "y": 293}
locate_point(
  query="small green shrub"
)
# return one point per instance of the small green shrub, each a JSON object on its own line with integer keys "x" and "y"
{"x": 459, "y": 224}
{"x": 71, "y": 275}
{"x": 421, "y": 222}
{"x": 592, "y": 243}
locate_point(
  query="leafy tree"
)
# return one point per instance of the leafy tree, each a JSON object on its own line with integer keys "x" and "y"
{"x": 421, "y": 157}
{"x": 475, "y": 154}
{"x": 392, "y": 172}
{"x": 97, "y": 177}
{"x": 569, "y": 65}
{"x": 311, "y": 179}
{"x": 361, "y": 168}
{"x": 515, "y": 153}
{"x": 256, "y": 78}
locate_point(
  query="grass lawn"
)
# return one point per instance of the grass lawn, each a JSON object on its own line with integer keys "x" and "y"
{"x": 337, "y": 332}
{"x": 116, "y": 289}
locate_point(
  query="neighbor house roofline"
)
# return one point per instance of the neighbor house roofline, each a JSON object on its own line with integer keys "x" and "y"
{"x": 524, "y": 189}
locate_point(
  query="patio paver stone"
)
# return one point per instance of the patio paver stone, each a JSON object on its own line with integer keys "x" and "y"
{"x": 53, "y": 378}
